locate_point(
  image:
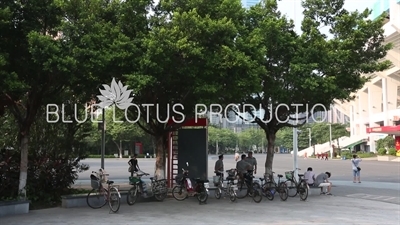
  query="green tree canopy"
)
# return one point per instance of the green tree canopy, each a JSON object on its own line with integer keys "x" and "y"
{"x": 309, "y": 68}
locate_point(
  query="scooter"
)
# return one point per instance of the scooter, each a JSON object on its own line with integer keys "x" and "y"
{"x": 185, "y": 188}
{"x": 155, "y": 188}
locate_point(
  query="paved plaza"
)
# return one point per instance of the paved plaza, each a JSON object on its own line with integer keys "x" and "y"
{"x": 317, "y": 210}
{"x": 375, "y": 201}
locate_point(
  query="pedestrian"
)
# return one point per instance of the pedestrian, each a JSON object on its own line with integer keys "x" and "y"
{"x": 252, "y": 161}
{"x": 355, "y": 161}
{"x": 219, "y": 165}
{"x": 133, "y": 165}
{"x": 237, "y": 156}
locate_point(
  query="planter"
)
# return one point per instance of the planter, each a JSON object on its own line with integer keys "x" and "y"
{"x": 14, "y": 207}
{"x": 386, "y": 157}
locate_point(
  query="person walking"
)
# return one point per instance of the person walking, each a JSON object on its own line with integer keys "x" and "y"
{"x": 355, "y": 162}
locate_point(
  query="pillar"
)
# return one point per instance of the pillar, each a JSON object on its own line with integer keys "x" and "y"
{"x": 363, "y": 112}
{"x": 391, "y": 94}
{"x": 352, "y": 122}
{"x": 385, "y": 101}
{"x": 394, "y": 12}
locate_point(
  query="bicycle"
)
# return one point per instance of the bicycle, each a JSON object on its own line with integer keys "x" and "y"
{"x": 297, "y": 187}
{"x": 231, "y": 187}
{"x": 158, "y": 188}
{"x": 271, "y": 187}
{"x": 251, "y": 187}
{"x": 99, "y": 196}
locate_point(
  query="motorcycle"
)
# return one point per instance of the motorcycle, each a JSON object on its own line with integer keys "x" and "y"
{"x": 154, "y": 188}
{"x": 185, "y": 188}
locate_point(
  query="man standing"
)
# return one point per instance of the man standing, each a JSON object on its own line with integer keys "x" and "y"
{"x": 252, "y": 161}
{"x": 219, "y": 165}
{"x": 242, "y": 167}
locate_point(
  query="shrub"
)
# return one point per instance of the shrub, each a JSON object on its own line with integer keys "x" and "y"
{"x": 366, "y": 154}
{"x": 382, "y": 151}
{"x": 347, "y": 154}
{"x": 49, "y": 176}
{"x": 392, "y": 151}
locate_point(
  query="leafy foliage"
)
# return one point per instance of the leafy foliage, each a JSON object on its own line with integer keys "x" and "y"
{"x": 386, "y": 143}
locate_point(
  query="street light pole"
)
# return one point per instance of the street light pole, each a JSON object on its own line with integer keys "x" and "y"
{"x": 103, "y": 139}
{"x": 309, "y": 136}
{"x": 295, "y": 166}
{"x": 330, "y": 140}
{"x": 217, "y": 149}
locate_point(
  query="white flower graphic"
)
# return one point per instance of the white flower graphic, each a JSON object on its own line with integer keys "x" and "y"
{"x": 117, "y": 94}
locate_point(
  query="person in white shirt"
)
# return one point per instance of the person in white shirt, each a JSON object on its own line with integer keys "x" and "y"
{"x": 355, "y": 161}
{"x": 309, "y": 176}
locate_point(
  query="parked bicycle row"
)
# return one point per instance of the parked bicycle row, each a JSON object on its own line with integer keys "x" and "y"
{"x": 237, "y": 187}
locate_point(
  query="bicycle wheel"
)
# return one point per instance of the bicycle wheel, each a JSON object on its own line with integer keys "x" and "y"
{"x": 162, "y": 192}
{"x": 292, "y": 189}
{"x": 257, "y": 196}
{"x": 242, "y": 191}
{"x": 179, "y": 193}
{"x": 114, "y": 200}
{"x": 218, "y": 193}
{"x": 283, "y": 191}
{"x": 303, "y": 190}
{"x": 202, "y": 196}
{"x": 96, "y": 198}
{"x": 269, "y": 195}
{"x": 132, "y": 195}
{"x": 268, "y": 187}
{"x": 232, "y": 193}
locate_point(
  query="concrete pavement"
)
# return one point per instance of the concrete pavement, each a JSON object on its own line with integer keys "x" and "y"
{"x": 316, "y": 210}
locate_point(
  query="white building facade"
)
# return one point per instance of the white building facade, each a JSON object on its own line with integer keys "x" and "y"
{"x": 375, "y": 112}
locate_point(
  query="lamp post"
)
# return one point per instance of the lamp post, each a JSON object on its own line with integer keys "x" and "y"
{"x": 330, "y": 140}
{"x": 309, "y": 136}
{"x": 103, "y": 138}
{"x": 217, "y": 149}
{"x": 295, "y": 150}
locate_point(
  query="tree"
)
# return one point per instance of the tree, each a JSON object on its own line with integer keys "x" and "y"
{"x": 62, "y": 45}
{"x": 226, "y": 138}
{"x": 118, "y": 129}
{"x": 190, "y": 57}
{"x": 309, "y": 68}
{"x": 319, "y": 134}
{"x": 385, "y": 143}
{"x": 250, "y": 137}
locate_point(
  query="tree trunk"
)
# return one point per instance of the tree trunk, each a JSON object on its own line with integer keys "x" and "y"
{"x": 23, "y": 174}
{"x": 119, "y": 148}
{"x": 161, "y": 145}
{"x": 271, "y": 137}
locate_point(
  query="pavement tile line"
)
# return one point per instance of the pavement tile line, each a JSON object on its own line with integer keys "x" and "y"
{"x": 316, "y": 210}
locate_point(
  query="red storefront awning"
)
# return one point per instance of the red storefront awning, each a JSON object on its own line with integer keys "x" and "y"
{"x": 392, "y": 130}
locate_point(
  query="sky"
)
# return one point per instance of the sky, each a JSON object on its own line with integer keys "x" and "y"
{"x": 293, "y": 9}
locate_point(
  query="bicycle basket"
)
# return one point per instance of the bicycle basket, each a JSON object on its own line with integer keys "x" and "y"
{"x": 133, "y": 180}
{"x": 95, "y": 184}
{"x": 232, "y": 173}
{"x": 216, "y": 179}
{"x": 288, "y": 175}
{"x": 178, "y": 178}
